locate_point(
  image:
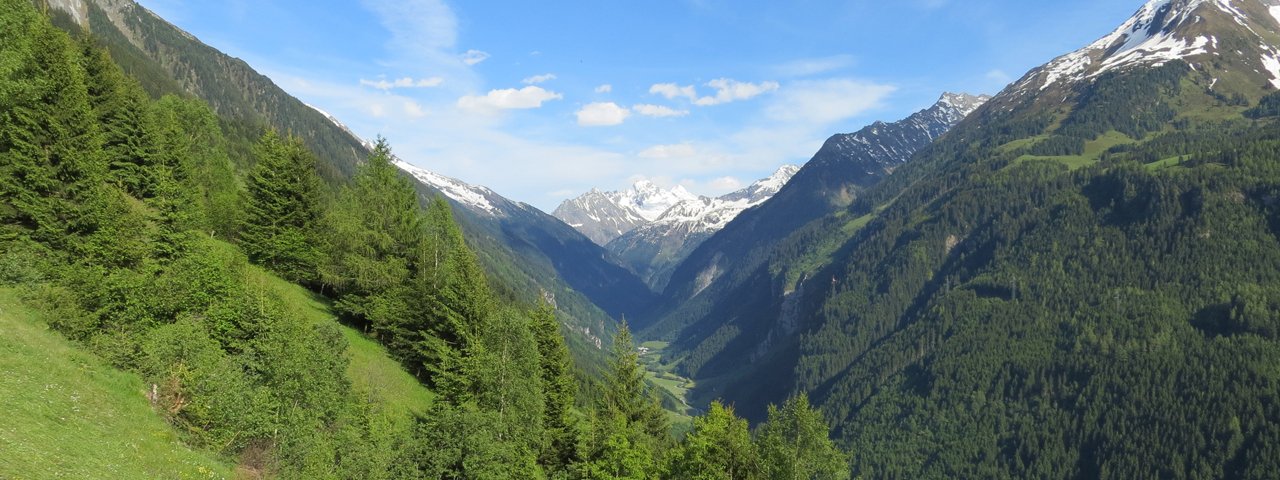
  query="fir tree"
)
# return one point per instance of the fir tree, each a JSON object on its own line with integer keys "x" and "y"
{"x": 283, "y": 209}
{"x": 718, "y": 448}
{"x": 795, "y": 444}
{"x": 559, "y": 388}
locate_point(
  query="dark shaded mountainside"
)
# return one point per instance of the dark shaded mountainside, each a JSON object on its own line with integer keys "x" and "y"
{"x": 533, "y": 254}
{"x": 1080, "y": 280}
{"x": 714, "y": 281}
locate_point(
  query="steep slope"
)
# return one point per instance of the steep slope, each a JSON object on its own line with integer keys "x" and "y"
{"x": 654, "y": 249}
{"x": 1074, "y": 282}
{"x": 167, "y": 60}
{"x": 551, "y": 256}
{"x": 845, "y": 166}
{"x": 534, "y": 255}
{"x": 69, "y": 414}
{"x": 604, "y": 216}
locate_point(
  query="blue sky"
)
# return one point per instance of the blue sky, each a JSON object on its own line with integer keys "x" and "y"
{"x": 541, "y": 101}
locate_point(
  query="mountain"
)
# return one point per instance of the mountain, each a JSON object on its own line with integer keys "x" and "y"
{"x": 550, "y": 251}
{"x": 604, "y": 216}
{"x": 846, "y": 165}
{"x": 534, "y": 255}
{"x": 1078, "y": 280}
{"x": 653, "y": 249}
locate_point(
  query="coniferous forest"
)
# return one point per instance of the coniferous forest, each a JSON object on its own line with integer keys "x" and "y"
{"x": 134, "y": 230}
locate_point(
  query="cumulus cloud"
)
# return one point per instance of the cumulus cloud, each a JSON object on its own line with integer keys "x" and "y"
{"x": 602, "y": 114}
{"x": 509, "y": 99}
{"x": 673, "y": 91}
{"x": 814, "y": 66}
{"x": 413, "y": 109}
{"x": 727, "y": 90}
{"x": 664, "y": 152}
{"x": 537, "y": 79}
{"x": 606, "y": 88}
{"x": 827, "y": 101}
{"x": 658, "y": 111}
{"x": 406, "y": 82}
{"x": 474, "y": 57}
{"x": 726, "y": 184}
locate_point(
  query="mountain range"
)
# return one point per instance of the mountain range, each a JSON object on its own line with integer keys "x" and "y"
{"x": 1059, "y": 286}
{"x": 1076, "y": 278}
{"x": 651, "y": 230}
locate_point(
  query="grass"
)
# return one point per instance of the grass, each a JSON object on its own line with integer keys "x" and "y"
{"x": 1165, "y": 163}
{"x": 825, "y": 252}
{"x": 372, "y": 369}
{"x": 1093, "y": 150}
{"x": 67, "y": 414}
{"x": 664, "y": 377}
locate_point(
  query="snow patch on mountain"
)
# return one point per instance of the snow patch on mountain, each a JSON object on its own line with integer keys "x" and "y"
{"x": 1272, "y": 63}
{"x": 1275, "y": 12}
{"x": 1151, "y": 36}
{"x": 461, "y": 192}
{"x": 709, "y": 215}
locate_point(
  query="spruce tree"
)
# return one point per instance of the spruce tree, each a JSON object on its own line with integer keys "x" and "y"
{"x": 283, "y": 209}
{"x": 718, "y": 448}
{"x": 795, "y": 444}
{"x": 559, "y": 389}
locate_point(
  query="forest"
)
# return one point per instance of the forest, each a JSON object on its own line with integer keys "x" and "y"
{"x": 143, "y": 233}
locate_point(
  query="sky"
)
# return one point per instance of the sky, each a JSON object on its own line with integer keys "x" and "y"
{"x": 542, "y": 101}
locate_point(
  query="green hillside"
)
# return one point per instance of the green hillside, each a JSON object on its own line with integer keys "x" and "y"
{"x": 68, "y": 414}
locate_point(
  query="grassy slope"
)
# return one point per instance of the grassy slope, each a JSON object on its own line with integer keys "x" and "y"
{"x": 69, "y": 415}
{"x": 372, "y": 369}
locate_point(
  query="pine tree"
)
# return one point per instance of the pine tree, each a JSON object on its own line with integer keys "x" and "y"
{"x": 283, "y": 209}
{"x": 559, "y": 389}
{"x": 120, "y": 108}
{"x": 795, "y": 444}
{"x": 630, "y": 428}
{"x": 718, "y": 448}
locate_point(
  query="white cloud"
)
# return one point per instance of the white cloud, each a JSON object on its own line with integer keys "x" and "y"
{"x": 606, "y": 88}
{"x": 827, "y": 101}
{"x": 727, "y": 90}
{"x": 406, "y": 82}
{"x": 659, "y": 111}
{"x": 726, "y": 184}
{"x": 413, "y": 109}
{"x": 474, "y": 57}
{"x": 814, "y": 66}
{"x": 602, "y": 115}
{"x": 509, "y": 99}
{"x": 673, "y": 91}
{"x": 664, "y": 152}
{"x": 537, "y": 79}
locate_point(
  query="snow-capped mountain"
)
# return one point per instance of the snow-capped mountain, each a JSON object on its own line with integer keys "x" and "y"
{"x": 882, "y": 147}
{"x": 653, "y": 249}
{"x": 604, "y": 216}
{"x": 1195, "y": 31}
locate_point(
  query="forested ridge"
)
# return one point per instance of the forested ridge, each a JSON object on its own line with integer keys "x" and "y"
{"x": 136, "y": 229}
{"x": 1075, "y": 290}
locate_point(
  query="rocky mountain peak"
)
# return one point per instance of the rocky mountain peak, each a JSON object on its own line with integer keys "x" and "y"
{"x": 1204, "y": 33}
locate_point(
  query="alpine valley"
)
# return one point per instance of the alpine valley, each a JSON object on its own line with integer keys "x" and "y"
{"x": 1078, "y": 277}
